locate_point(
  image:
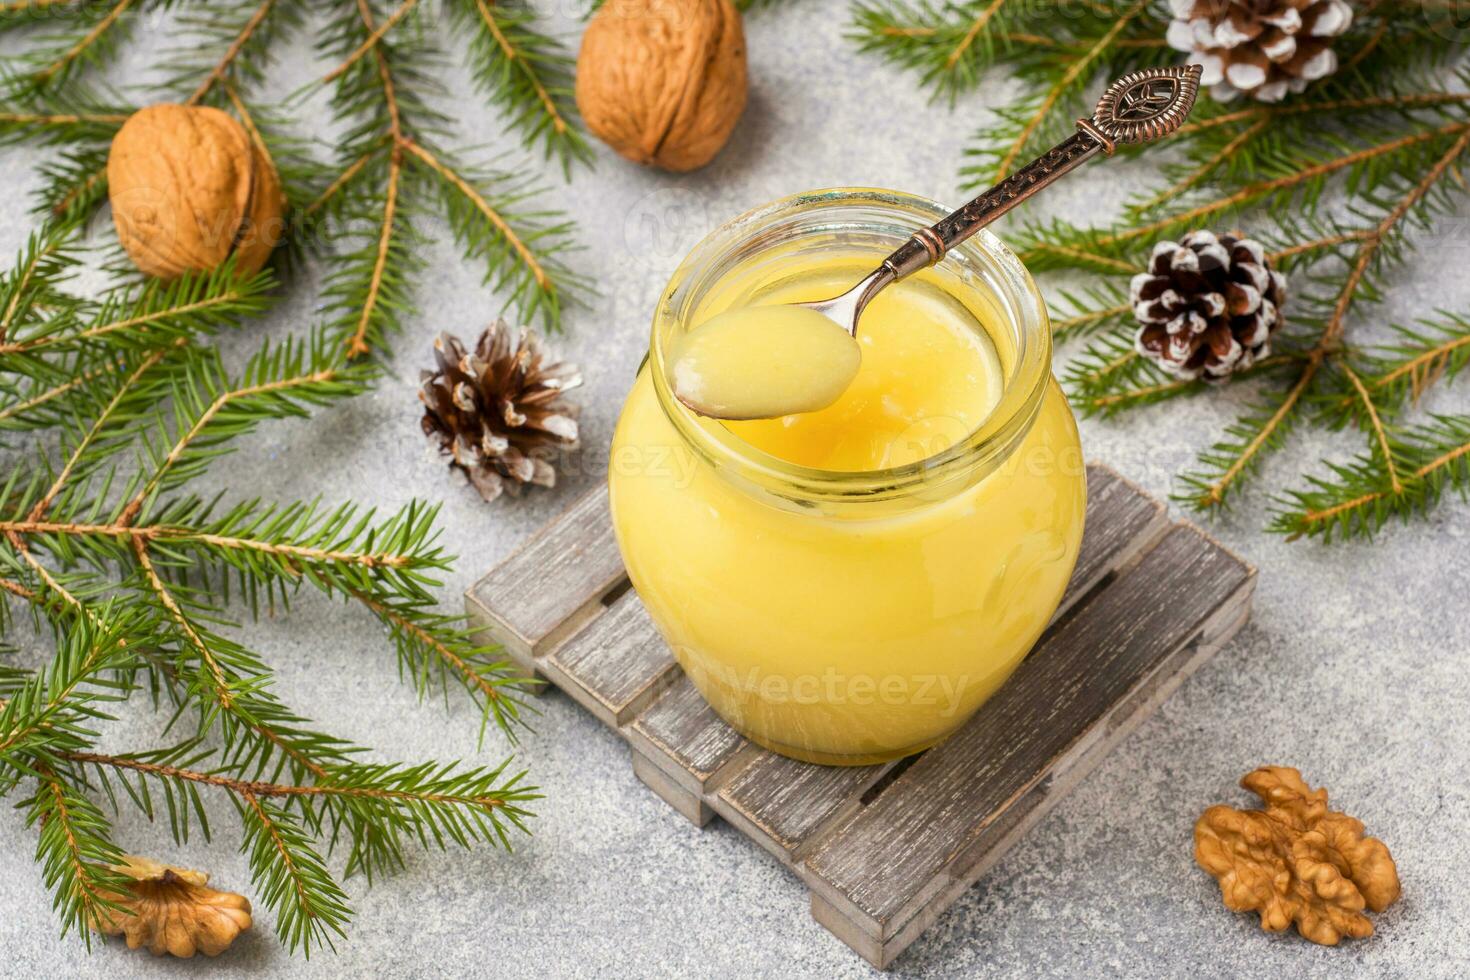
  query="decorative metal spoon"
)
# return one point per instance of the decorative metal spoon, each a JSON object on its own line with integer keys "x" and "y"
{"x": 1140, "y": 107}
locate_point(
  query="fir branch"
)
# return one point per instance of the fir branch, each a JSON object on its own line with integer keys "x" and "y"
{"x": 489, "y": 230}
{"x": 371, "y": 42}
{"x": 74, "y": 185}
{"x": 53, "y": 710}
{"x": 76, "y": 854}
{"x": 90, "y": 48}
{"x": 278, "y": 382}
{"x": 431, "y": 646}
{"x": 1079, "y": 69}
{"x": 1379, "y": 431}
{"x": 1356, "y": 500}
{"x": 395, "y": 144}
{"x": 23, "y": 8}
{"x": 85, "y": 449}
{"x": 1308, "y": 182}
{"x": 1404, "y": 371}
{"x": 528, "y": 73}
{"x": 244, "y": 54}
{"x": 1250, "y": 437}
{"x": 155, "y": 314}
{"x": 93, "y": 378}
{"x": 1232, "y": 460}
{"x": 310, "y": 907}
{"x": 378, "y": 806}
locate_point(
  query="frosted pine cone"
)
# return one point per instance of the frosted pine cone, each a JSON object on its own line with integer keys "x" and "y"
{"x": 499, "y": 412}
{"x": 1207, "y": 305}
{"x": 1264, "y": 48}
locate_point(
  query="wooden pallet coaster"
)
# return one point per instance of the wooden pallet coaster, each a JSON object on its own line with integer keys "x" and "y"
{"x": 883, "y": 849}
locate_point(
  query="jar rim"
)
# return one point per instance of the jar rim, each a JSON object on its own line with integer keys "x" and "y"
{"x": 969, "y": 459}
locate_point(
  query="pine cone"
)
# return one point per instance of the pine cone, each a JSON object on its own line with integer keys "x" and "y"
{"x": 1264, "y": 48}
{"x": 499, "y": 412}
{"x": 1208, "y": 305}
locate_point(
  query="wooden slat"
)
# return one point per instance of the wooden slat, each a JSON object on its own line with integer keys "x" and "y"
{"x": 615, "y": 666}
{"x": 1084, "y": 755}
{"x": 1122, "y": 523}
{"x": 682, "y": 735}
{"x": 552, "y": 586}
{"x": 784, "y": 804}
{"x": 893, "y": 856}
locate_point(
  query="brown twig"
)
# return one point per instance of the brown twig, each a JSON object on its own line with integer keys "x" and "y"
{"x": 130, "y": 512}
{"x": 494, "y": 217}
{"x": 1331, "y": 241}
{"x": 264, "y": 789}
{"x": 358, "y": 345}
{"x": 302, "y": 899}
{"x": 91, "y": 333}
{"x": 1424, "y": 368}
{"x": 19, "y": 287}
{"x": 164, "y": 533}
{"x": 1409, "y": 101}
{"x": 512, "y": 55}
{"x": 32, "y": 6}
{"x": 15, "y": 588}
{"x": 1329, "y": 513}
{"x": 53, "y": 393}
{"x": 61, "y": 206}
{"x": 1369, "y": 46}
{"x": 1107, "y": 401}
{"x": 342, "y": 180}
{"x": 171, "y": 605}
{"x": 1376, "y": 424}
{"x": 1208, "y": 167}
{"x": 62, "y": 119}
{"x": 407, "y": 625}
{"x": 1071, "y": 323}
{"x": 148, "y": 363}
{"x": 1261, "y": 188}
{"x": 1080, "y": 65}
{"x": 1082, "y": 255}
{"x": 976, "y": 27}
{"x": 76, "y": 50}
{"x": 92, "y": 900}
{"x": 232, "y": 52}
{"x": 221, "y": 683}
{"x": 372, "y": 40}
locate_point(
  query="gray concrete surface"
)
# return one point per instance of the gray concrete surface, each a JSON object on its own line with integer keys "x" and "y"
{"x": 1353, "y": 667}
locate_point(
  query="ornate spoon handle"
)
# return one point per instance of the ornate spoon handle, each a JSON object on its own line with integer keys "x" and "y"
{"x": 1138, "y": 108}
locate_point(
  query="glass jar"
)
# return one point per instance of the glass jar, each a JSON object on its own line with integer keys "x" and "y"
{"x": 850, "y": 617}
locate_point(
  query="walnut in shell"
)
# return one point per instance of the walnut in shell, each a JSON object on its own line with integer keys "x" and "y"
{"x": 1296, "y": 861}
{"x": 662, "y": 82}
{"x": 170, "y": 910}
{"x": 189, "y": 188}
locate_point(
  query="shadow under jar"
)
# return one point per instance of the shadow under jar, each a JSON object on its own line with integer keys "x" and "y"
{"x": 848, "y": 587}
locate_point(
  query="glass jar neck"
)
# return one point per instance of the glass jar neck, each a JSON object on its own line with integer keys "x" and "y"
{"x": 860, "y": 222}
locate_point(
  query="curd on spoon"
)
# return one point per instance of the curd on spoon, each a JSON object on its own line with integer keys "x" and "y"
{"x": 764, "y": 362}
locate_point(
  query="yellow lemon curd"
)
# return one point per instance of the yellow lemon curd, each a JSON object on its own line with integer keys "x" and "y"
{"x": 761, "y": 362}
{"x": 852, "y": 628}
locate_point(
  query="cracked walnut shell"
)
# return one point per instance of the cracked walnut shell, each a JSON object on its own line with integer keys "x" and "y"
{"x": 170, "y": 910}
{"x": 663, "y": 82}
{"x": 1296, "y": 861}
{"x": 189, "y": 188}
